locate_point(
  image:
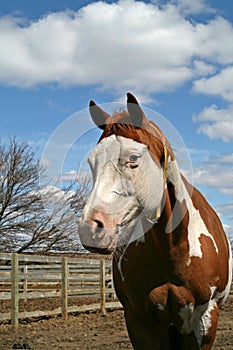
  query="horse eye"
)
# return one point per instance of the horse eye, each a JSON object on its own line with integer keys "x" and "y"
{"x": 133, "y": 158}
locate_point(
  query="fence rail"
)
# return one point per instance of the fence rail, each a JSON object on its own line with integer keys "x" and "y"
{"x": 25, "y": 277}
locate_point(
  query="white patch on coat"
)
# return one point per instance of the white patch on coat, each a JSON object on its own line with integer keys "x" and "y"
{"x": 196, "y": 225}
{"x": 160, "y": 307}
{"x": 226, "y": 292}
{"x": 196, "y": 228}
{"x": 197, "y": 319}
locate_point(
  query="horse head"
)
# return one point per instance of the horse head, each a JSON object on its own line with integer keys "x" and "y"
{"x": 129, "y": 167}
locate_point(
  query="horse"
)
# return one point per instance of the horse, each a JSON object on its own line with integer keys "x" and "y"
{"x": 172, "y": 264}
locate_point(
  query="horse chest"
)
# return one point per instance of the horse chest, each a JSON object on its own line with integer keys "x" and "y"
{"x": 158, "y": 292}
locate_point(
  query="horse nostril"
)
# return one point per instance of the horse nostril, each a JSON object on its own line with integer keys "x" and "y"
{"x": 99, "y": 224}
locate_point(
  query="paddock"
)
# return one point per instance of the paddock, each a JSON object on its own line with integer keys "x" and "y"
{"x": 86, "y": 327}
{"x": 91, "y": 331}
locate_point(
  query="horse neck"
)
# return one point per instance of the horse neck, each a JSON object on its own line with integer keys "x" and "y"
{"x": 171, "y": 227}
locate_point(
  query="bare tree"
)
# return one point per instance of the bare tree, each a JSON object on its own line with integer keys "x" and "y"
{"x": 19, "y": 176}
{"x": 31, "y": 218}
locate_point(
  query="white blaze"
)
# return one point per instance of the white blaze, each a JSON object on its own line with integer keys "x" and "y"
{"x": 127, "y": 182}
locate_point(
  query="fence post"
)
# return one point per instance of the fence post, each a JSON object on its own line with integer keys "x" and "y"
{"x": 14, "y": 289}
{"x": 64, "y": 293}
{"x": 102, "y": 287}
{"x": 25, "y": 281}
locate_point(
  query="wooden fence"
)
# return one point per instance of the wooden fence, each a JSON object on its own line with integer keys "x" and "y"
{"x": 27, "y": 277}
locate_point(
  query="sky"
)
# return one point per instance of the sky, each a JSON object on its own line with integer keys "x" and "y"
{"x": 175, "y": 56}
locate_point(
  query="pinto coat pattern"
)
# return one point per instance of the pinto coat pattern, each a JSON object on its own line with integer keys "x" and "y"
{"x": 171, "y": 258}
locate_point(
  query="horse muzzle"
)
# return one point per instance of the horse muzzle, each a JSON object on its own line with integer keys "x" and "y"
{"x": 97, "y": 239}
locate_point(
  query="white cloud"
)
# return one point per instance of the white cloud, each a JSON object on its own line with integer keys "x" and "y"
{"x": 219, "y": 84}
{"x": 216, "y": 123}
{"x": 222, "y": 130}
{"x": 44, "y": 162}
{"x": 118, "y": 45}
{"x": 193, "y": 7}
{"x": 226, "y": 211}
{"x": 229, "y": 231}
{"x": 215, "y": 177}
{"x": 214, "y": 114}
{"x": 226, "y": 159}
{"x": 70, "y": 175}
{"x": 53, "y": 194}
{"x": 202, "y": 69}
{"x": 216, "y": 173}
{"x": 215, "y": 40}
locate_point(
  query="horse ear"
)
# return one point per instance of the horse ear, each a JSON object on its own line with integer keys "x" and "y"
{"x": 99, "y": 116}
{"x": 136, "y": 113}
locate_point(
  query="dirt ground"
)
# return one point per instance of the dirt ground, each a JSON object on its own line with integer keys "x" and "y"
{"x": 92, "y": 331}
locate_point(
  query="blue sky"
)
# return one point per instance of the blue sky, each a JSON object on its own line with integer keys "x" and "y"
{"x": 175, "y": 56}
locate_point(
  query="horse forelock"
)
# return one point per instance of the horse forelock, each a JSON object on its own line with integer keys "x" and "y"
{"x": 150, "y": 134}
